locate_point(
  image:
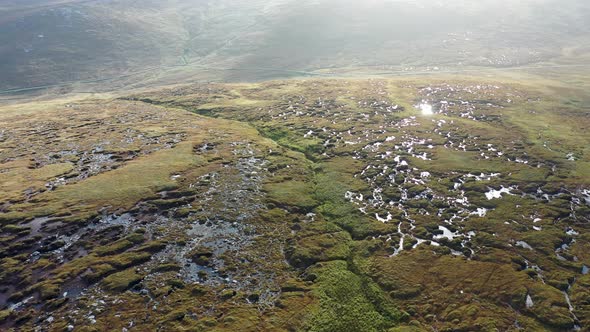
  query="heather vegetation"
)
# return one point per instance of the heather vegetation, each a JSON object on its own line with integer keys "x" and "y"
{"x": 321, "y": 205}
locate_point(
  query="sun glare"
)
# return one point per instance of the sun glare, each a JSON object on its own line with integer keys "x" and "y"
{"x": 426, "y": 109}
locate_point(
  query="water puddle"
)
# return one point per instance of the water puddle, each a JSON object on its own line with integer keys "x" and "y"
{"x": 529, "y": 301}
{"x": 447, "y": 234}
{"x": 425, "y": 108}
{"x": 494, "y": 194}
{"x": 524, "y": 245}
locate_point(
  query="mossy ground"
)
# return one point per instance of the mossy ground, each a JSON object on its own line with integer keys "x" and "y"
{"x": 320, "y": 205}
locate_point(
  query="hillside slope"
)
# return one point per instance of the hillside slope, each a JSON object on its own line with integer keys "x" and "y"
{"x": 317, "y": 205}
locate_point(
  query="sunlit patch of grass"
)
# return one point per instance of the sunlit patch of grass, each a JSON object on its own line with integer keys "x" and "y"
{"x": 18, "y": 177}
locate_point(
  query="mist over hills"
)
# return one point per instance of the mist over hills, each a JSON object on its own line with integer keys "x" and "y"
{"x": 53, "y": 42}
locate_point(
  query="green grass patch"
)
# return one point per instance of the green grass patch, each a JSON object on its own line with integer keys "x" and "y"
{"x": 348, "y": 302}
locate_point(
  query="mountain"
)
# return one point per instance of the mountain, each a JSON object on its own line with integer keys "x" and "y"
{"x": 314, "y": 165}
{"x": 118, "y": 44}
